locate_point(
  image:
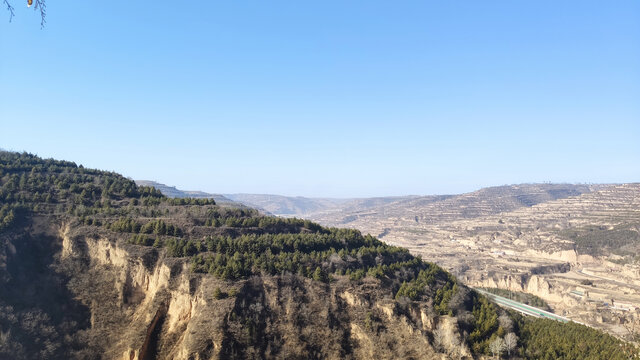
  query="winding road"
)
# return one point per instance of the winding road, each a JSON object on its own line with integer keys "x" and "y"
{"x": 522, "y": 308}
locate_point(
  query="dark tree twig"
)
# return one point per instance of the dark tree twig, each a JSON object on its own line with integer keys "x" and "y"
{"x": 10, "y": 9}
{"x": 40, "y": 5}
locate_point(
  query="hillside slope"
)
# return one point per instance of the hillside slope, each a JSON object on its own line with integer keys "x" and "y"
{"x": 575, "y": 246}
{"x": 445, "y": 208}
{"x": 93, "y": 266}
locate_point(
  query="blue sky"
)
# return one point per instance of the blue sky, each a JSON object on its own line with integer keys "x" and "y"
{"x": 328, "y": 98}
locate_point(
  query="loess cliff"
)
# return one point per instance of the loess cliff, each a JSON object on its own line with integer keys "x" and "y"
{"x": 104, "y": 298}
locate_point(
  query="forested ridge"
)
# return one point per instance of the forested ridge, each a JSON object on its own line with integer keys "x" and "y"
{"x": 549, "y": 340}
{"x": 233, "y": 244}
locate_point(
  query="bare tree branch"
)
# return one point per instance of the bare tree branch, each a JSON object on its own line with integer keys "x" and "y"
{"x": 510, "y": 342}
{"x": 40, "y": 5}
{"x": 497, "y": 347}
{"x": 10, "y": 9}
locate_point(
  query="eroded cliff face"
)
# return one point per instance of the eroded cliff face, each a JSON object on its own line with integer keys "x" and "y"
{"x": 532, "y": 284}
{"x": 139, "y": 304}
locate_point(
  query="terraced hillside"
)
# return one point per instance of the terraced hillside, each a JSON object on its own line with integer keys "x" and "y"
{"x": 425, "y": 210}
{"x": 544, "y": 239}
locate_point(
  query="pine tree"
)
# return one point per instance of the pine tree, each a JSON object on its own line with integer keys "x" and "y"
{"x": 319, "y": 275}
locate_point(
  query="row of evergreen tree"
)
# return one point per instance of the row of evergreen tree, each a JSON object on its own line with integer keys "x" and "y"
{"x": 157, "y": 227}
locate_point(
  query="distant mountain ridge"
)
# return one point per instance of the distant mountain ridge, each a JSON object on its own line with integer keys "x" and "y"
{"x": 280, "y": 205}
{"x": 429, "y": 208}
{"x": 443, "y": 208}
{"x": 286, "y": 205}
{"x": 172, "y": 191}
{"x": 306, "y": 206}
{"x": 336, "y": 211}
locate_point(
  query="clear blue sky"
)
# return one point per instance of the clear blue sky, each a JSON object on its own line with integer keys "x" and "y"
{"x": 328, "y": 98}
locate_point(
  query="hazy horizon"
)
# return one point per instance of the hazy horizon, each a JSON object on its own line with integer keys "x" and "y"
{"x": 388, "y": 195}
{"x": 329, "y": 99}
